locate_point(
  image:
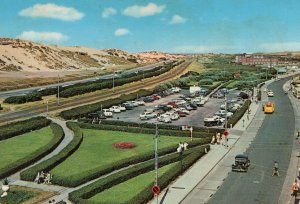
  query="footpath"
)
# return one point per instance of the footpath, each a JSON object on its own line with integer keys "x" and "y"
{"x": 204, "y": 178}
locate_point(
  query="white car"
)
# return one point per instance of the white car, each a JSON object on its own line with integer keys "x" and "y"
{"x": 134, "y": 103}
{"x": 115, "y": 109}
{"x": 164, "y": 119}
{"x": 182, "y": 110}
{"x": 172, "y": 116}
{"x": 122, "y": 108}
{"x": 222, "y": 113}
{"x": 107, "y": 113}
{"x": 147, "y": 115}
{"x": 270, "y": 93}
{"x": 140, "y": 102}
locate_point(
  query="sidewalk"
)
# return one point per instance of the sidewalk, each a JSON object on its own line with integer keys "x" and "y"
{"x": 203, "y": 179}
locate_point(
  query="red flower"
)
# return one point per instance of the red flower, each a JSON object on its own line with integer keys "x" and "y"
{"x": 124, "y": 145}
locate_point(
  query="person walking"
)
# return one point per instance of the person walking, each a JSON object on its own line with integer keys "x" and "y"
{"x": 295, "y": 190}
{"x": 276, "y": 169}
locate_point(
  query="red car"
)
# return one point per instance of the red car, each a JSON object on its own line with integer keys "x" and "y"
{"x": 156, "y": 97}
{"x": 173, "y": 104}
{"x": 181, "y": 114}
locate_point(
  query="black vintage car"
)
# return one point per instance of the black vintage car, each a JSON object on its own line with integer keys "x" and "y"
{"x": 241, "y": 163}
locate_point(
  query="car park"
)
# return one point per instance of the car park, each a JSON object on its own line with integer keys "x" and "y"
{"x": 241, "y": 163}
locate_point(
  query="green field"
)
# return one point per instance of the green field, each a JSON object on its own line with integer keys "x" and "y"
{"x": 127, "y": 190}
{"x": 97, "y": 151}
{"x": 19, "y": 147}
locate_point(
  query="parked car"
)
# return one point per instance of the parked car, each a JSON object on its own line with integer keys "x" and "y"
{"x": 241, "y": 163}
{"x": 182, "y": 110}
{"x": 156, "y": 96}
{"x": 243, "y": 95}
{"x": 193, "y": 106}
{"x": 107, "y": 113}
{"x": 128, "y": 106}
{"x": 223, "y": 113}
{"x": 181, "y": 114}
{"x": 213, "y": 121}
{"x": 164, "y": 119}
{"x": 134, "y": 103}
{"x": 140, "y": 102}
{"x": 147, "y": 99}
{"x": 172, "y": 115}
{"x": 173, "y": 104}
{"x": 175, "y": 89}
{"x": 218, "y": 95}
{"x": 188, "y": 107}
{"x": 147, "y": 115}
{"x": 122, "y": 107}
{"x": 115, "y": 109}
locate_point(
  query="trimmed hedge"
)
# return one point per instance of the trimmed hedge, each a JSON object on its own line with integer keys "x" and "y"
{"x": 188, "y": 158}
{"x": 259, "y": 95}
{"x": 47, "y": 165}
{"x": 150, "y": 125}
{"x": 239, "y": 114}
{"x": 35, "y": 96}
{"x": 24, "y": 126}
{"x": 37, "y": 155}
{"x": 85, "y": 109}
{"x": 146, "y": 130}
{"x": 83, "y": 177}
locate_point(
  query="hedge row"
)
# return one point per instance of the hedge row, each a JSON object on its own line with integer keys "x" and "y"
{"x": 83, "y": 177}
{"x": 259, "y": 95}
{"x": 239, "y": 114}
{"x": 150, "y": 125}
{"x": 58, "y": 136}
{"x": 24, "y": 126}
{"x": 188, "y": 158}
{"x": 85, "y": 109}
{"x": 47, "y": 165}
{"x": 30, "y": 97}
{"x": 88, "y": 87}
{"x": 144, "y": 130}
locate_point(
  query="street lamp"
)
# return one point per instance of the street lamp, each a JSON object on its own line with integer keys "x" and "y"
{"x": 58, "y": 91}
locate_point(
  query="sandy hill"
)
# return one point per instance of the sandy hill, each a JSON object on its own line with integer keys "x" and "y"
{"x": 20, "y": 55}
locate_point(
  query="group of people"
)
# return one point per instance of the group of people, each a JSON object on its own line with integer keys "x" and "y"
{"x": 219, "y": 139}
{"x": 42, "y": 177}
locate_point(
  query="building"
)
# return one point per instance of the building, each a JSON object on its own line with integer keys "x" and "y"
{"x": 247, "y": 59}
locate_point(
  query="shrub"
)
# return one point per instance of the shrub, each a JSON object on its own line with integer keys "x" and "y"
{"x": 145, "y": 130}
{"x": 205, "y": 82}
{"x": 37, "y": 155}
{"x": 85, "y": 109}
{"x": 21, "y": 127}
{"x": 47, "y": 165}
{"x": 259, "y": 95}
{"x": 35, "y": 96}
{"x": 239, "y": 114}
{"x": 189, "y": 157}
{"x": 150, "y": 125}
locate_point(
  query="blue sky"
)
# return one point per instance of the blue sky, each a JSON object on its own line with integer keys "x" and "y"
{"x": 178, "y": 26}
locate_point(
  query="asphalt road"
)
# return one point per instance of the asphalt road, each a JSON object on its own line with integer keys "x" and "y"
{"x": 18, "y": 92}
{"x": 273, "y": 142}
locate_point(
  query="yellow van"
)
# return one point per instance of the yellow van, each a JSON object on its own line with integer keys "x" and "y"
{"x": 269, "y": 107}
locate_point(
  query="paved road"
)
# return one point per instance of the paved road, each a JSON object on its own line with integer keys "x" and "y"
{"x": 273, "y": 142}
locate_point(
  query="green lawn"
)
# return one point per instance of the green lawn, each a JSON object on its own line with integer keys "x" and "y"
{"x": 96, "y": 150}
{"x": 19, "y": 147}
{"x": 196, "y": 67}
{"x": 232, "y": 84}
{"x": 125, "y": 191}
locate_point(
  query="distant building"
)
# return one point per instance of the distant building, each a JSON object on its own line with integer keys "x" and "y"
{"x": 247, "y": 59}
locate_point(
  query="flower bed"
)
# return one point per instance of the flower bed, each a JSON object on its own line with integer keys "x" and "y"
{"x": 124, "y": 145}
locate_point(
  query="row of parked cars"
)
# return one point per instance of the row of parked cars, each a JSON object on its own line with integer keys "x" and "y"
{"x": 226, "y": 110}
{"x": 174, "y": 109}
{"x": 129, "y": 105}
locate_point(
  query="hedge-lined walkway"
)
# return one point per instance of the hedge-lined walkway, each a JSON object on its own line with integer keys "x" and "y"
{"x": 68, "y": 137}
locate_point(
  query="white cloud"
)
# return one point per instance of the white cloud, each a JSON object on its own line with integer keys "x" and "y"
{"x": 121, "y": 32}
{"x": 141, "y": 11}
{"x": 201, "y": 49}
{"x": 284, "y": 46}
{"x": 177, "y": 19}
{"x": 52, "y": 11}
{"x": 42, "y": 36}
{"x": 108, "y": 12}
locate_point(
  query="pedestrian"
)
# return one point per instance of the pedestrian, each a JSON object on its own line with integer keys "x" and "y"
{"x": 295, "y": 188}
{"x": 276, "y": 169}
{"x": 213, "y": 140}
{"x": 218, "y": 138}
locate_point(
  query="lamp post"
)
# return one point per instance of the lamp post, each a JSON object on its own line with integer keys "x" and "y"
{"x": 58, "y": 92}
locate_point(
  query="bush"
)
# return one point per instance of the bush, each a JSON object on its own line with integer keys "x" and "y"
{"x": 35, "y": 96}
{"x": 150, "y": 131}
{"x": 239, "y": 114}
{"x": 21, "y": 127}
{"x": 259, "y": 95}
{"x": 189, "y": 157}
{"x": 150, "y": 125}
{"x": 205, "y": 82}
{"x": 85, "y": 109}
{"x": 47, "y": 165}
{"x": 37, "y": 155}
